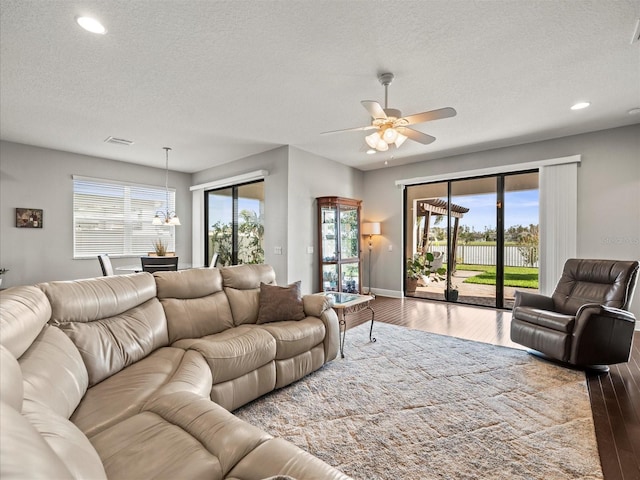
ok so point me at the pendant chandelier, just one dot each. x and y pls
(166, 217)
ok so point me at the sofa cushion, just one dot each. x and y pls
(147, 446)
(53, 371)
(11, 390)
(108, 345)
(551, 320)
(247, 277)
(66, 440)
(279, 457)
(239, 391)
(295, 337)
(113, 321)
(234, 352)
(97, 298)
(242, 286)
(24, 453)
(280, 303)
(179, 436)
(291, 369)
(194, 302)
(124, 395)
(23, 313)
(244, 305)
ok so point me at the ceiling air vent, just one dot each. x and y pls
(118, 141)
(636, 32)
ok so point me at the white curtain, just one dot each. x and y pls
(558, 221)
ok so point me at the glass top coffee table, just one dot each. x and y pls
(344, 303)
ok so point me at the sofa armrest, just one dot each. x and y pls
(535, 300)
(315, 305)
(321, 306)
(602, 336)
(332, 337)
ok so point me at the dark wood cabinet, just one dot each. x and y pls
(339, 244)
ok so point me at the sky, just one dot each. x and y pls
(521, 208)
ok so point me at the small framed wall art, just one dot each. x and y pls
(28, 218)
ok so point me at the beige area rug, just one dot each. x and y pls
(416, 405)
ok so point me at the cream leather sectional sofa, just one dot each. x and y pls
(134, 376)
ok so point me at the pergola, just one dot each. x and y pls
(435, 206)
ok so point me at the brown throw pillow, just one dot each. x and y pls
(280, 303)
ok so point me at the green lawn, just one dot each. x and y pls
(524, 277)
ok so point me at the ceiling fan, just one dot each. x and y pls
(391, 128)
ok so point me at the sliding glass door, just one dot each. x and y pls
(521, 235)
(477, 238)
(235, 225)
(473, 241)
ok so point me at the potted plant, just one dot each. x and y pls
(420, 265)
(451, 293)
(2, 272)
(160, 249)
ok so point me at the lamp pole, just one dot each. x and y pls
(370, 229)
(369, 273)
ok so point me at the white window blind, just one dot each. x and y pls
(115, 217)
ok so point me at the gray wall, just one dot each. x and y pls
(311, 176)
(608, 196)
(275, 198)
(608, 203)
(295, 179)
(33, 177)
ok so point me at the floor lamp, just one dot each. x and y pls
(370, 229)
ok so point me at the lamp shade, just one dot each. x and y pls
(372, 228)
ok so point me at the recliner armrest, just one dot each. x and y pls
(602, 335)
(618, 313)
(535, 300)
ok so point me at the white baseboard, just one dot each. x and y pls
(387, 293)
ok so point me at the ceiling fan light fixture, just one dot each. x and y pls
(382, 146)
(372, 140)
(371, 151)
(400, 139)
(390, 135)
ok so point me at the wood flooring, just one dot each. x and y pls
(615, 396)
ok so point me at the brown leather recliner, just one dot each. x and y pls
(586, 321)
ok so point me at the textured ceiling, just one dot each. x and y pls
(221, 80)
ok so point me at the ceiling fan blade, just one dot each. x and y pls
(431, 115)
(374, 109)
(357, 129)
(416, 135)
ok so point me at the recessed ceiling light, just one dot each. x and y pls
(634, 111)
(91, 25)
(580, 105)
(371, 151)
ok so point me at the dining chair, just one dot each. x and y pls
(159, 264)
(105, 265)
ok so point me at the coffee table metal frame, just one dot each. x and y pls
(345, 303)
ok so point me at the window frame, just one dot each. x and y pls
(133, 208)
(235, 220)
